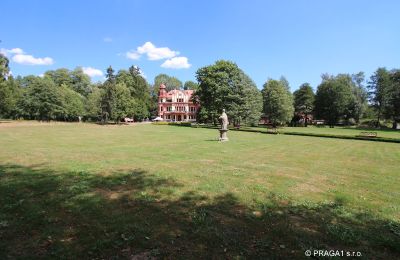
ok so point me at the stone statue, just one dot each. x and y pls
(224, 120)
(224, 126)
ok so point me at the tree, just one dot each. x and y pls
(332, 99)
(139, 91)
(225, 85)
(393, 105)
(6, 97)
(80, 82)
(190, 85)
(75, 80)
(378, 94)
(304, 101)
(72, 103)
(10, 93)
(278, 102)
(108, 95)
(285, 83)
(170, 82)
(93, 104)
(60, 76)
(358, 102)
(42, 100)
(122, 104)
(4, 69)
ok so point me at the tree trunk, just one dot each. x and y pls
(378, 124)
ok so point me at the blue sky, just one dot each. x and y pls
(298, 39)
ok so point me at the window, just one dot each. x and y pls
(179, 100)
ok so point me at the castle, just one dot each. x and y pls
(176, 105)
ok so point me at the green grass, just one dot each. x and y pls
(336, 131)
(90, 191)
(347, 131)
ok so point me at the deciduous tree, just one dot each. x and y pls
(331, 100)
(278, 102)
(378, 93)
(304, 100)
(225, 85)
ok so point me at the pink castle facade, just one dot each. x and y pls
(176, 105)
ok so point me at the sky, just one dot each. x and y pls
(267, 39)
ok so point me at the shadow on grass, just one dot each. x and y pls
(133, 214)
(372, 129)
(212, 140)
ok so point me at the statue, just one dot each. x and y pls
(224, 120)
(224, 126)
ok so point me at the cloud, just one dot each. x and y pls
(7, 52)
(152, 52)
(30, 60)
(92, 72)
(19, 56)
(107, 39)
(133, 55)
(176, 63)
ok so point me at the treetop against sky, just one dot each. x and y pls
(267, 39)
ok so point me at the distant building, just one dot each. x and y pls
(176, 105)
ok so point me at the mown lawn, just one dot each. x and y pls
(90, 191)
(341, 131)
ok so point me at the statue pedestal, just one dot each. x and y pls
(222, 135)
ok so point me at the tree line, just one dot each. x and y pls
(342, 98)
(67, 95)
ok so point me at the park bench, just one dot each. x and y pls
(368, 134)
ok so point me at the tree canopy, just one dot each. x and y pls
(190, 85)
(169, 81)
(64, 94)
(278, 102)
(225, 85)
(304, 100)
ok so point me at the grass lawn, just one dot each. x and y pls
(351, 131)
(90, 191)
(342, 131)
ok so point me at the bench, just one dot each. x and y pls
(368, 134)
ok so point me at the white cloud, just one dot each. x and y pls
(133, 55)
(176, 63)
(152, 52)
(30, 60)
(18, 56)
(7, 52)
(107, 39)
(16, 51)
(92, 72)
